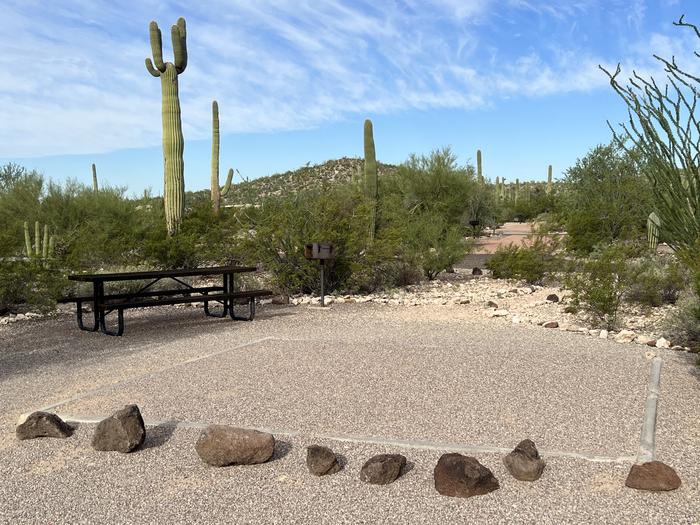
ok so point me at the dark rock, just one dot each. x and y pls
(321, 460)
(222, 445)
(651, 342)
(463, 476)
(43, 424)
(524, 463)
(553, 298)
(551, 324)
(123, 431)
(491, 304)
(654, 475)
(477, 271)
(382, 469)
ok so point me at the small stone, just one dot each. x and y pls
(524, 462)
(625, 336)
(654, 475)
(43, 424)
(321, 460)
(477, 271)
(651, 342)
(463, 476)
(382, 469)
(499, 313)
(603, 334)
(551, 324)
(553, 298)
(515, 319)
(642, 339)
(123, 431)
(662, 342)
(649, 355)
(491, 304)
(223, 445)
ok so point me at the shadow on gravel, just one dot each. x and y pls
(159, 435)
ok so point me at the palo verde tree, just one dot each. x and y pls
(173, 141)
(664, 128)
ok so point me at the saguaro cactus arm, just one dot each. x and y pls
(156, 48)
(179, 35)
(229, 180)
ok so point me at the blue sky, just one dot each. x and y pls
(295, 79)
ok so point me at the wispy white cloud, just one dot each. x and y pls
(72, 78)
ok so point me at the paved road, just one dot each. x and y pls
(363, 379)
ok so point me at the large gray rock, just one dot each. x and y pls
(382, 469)
(321, 460)
(524, 462)
(123, 431)
(222, 445)
(654, 475)
(463, 476)
(43, 424)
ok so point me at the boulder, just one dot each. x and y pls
(551, 324)
(662, 342)
(524, 462)
(222, 445)
(553, 298)
(382, 469)
(625, 336)
(463, 476)
(654, 475)
(43, 424)
(321, 460)
(123, 431)
(477, 271)
(603, 334)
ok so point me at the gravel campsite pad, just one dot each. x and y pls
(361, 379)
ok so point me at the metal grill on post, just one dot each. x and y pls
(321, 252)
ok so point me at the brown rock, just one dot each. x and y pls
(382, 469)
(321, 460)
(43, 424)
(491, 304)
(654, 475)
(551, 324)
(222, 445)
(477, 271)
(553, 298)
(463, 476)
(524, 462)
(123, 431)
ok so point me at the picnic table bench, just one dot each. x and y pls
(105, 303)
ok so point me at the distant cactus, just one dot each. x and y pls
(479, 173)
(548, 188)
(173, 141)
(94, 179)
(371, 178)
(653, 230)
(216, 191)
(40, 250)
(517, 190)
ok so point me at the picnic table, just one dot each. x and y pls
(104, 303)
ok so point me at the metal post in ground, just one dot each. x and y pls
(323, 290)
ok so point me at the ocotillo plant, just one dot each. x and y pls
(548, 189)
(216, 191)
(653, 230)
(94, 178)
(479, 174)
(173, 141)
(41, 249)
(371, 177)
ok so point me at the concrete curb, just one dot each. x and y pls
(647, 440)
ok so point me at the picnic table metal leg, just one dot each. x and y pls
(225, 302)
(79, 315)
(120, 323)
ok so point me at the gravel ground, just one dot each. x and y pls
(429, 374)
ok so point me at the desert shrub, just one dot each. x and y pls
(656, 281)
(599, 282)
(433, 245)
(607, 198)
(29, 284)
(531, 263)
(684, 322)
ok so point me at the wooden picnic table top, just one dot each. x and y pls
(154, 274)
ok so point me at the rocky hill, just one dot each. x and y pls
(305, 178)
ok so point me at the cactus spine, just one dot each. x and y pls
(216, 191)
(653, 230)
(371, 178)
(479, 173)
(94, 178)
(173, 141)
(548, 189)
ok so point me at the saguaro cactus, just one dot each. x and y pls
(216, 191)
(548, 188)
(94, 178)
(40, 249)
(371, 178)
(653, 230)
(173, 141)
(479, 174)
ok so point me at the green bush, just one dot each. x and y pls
(599, 282)
(684, 323)
(656, 281)
(531, 263)
(29, 285)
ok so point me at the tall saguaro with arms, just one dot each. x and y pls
(173, 141)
